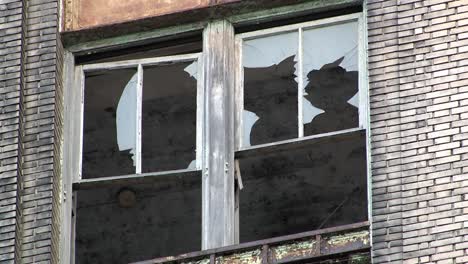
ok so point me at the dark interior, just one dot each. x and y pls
(169, 114)
(298, 190)
(169, 118)
(101, 154)
(164, 219)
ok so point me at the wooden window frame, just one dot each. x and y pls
(300, 27)
(139, 64)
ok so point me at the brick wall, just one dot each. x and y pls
(30, 131)
(418, 57)
(418, 50)
(42, 102)
(11, 69)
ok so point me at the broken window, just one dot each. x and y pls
(331, 78)
(109, 139)
(302, 143)
(270, 89)
(292, 189)
(299, 82)
(139, 194)
(140, 119)
(169, 117)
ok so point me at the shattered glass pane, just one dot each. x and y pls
(169, 117)
(331, 84)
(109, 123)
(270, 89)
(316, 186)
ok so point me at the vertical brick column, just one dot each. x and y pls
(42, 133)
(386, 128)
(11, 69)
(418, 52)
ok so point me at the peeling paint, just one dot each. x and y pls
(250, 257)
(350, 237)
(346, 241)
(202, 261)
(360, 259)
(298, 249)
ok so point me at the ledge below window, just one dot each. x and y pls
(342, 244)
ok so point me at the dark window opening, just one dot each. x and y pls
(128, 223)
(169, 117)
(312, 187)
(102, 155)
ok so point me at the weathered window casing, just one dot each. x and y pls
(220, 97)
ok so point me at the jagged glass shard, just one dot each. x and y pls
(127, 118)
(108, 135)
(330, 71)
(270, 89)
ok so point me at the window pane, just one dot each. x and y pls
(109, 135)
(270, 89)
(320, 185)
(330, 78)
(128, 223)
(169, 117)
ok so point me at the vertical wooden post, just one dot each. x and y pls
(71, 155)
(218, 223)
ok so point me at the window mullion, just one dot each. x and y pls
(218, 223)
(199, 148)
(363, 104)
(139, 119)
(300, 85)
(81, 82)
(239, 94)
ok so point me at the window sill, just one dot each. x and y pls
(136, 178)
(297, 143)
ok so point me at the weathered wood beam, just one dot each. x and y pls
(71, 153)
(218, 224)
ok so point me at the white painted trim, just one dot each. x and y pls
(365, 56)
(81, 83)
(130, 177)
(144, 62)
(138, 126)
(200, 113)
(298, 140)
(362, 76)
(239, 94)
(300, 86)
